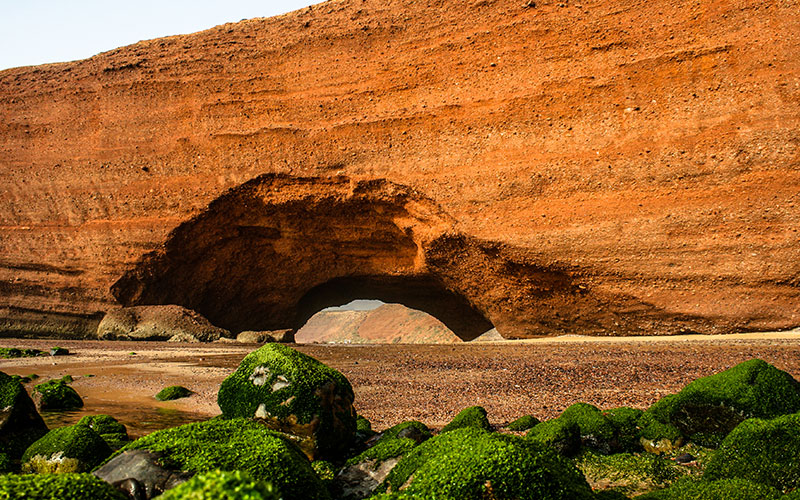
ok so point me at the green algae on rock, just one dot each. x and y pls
(56, 395)
(394, 442)
(706, 410)
(109, 428)
(293, 393)
(523, 423)
(561, 435)
(763, 451)
(20, 423)
(236, 444)
(57, 486)
(473, 416)
(222, 485)
(725, 489)
(628, 473)
(471, 463)
(76, 448)
(173, 392)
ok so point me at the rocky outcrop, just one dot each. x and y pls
(169, 322)
(387, 324)
(606, 167)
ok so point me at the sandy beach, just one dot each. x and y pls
(392, 383)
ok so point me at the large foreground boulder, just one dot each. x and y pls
(157, 323)
(20, 423)
(706, 410)
(76, 448)
(472, 464)
(296, 394)
(230, 445)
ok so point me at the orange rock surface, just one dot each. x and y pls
(611, 167)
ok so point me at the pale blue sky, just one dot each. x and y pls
(45, 31)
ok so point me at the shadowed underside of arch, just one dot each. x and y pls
(277, 249)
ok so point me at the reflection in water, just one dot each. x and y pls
(139, 421)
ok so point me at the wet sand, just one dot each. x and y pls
(430, 383)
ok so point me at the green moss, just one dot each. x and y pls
(57, 486)
(13, 352)
(561, 435)
(763, 451)
(726, 489)
(237, 444)
(22, 425)
(222, 485)
(653, 429)
(471, 463)
(626, 427)
(474, 417)
(364, 426)
(629, 473)
(391, 443)
(710, 407)
(6, 464)
(103, 424)
(280, 383)
(77, 442)
(110, 429)
(523, 423)
(57, 395)
(324, 469)
(173, 392)
(596, 430)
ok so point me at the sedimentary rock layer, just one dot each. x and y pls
(641, 158)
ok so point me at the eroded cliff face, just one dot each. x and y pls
(601, 167)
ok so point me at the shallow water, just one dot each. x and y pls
(139, 421)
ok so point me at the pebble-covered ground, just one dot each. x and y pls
(430, 383)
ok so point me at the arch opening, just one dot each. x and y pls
(421, 293)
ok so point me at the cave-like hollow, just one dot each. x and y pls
(271, 253)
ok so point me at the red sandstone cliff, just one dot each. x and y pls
(605, 166)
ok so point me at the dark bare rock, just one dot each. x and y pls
(139, 471)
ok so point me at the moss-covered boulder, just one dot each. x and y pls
(296, 394)
(173, 392)
(594, 430)
(473, 416)
(725, 489)
(560, 435)
(523, 423)
(76, 448)
(57, 486)
(628, 473)
(470, 463)
(394, 442)
(56, 395)
(236, 444)
(114, 433)
(20, 423)
(625, 421)
(763, 451)
(706, 410)
(222, 485)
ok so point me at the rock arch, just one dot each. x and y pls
(270, 253)
(274, 251)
